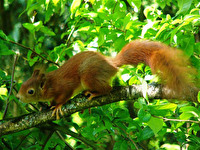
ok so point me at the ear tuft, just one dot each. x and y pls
(36, 73)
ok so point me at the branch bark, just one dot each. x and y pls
(77, 104)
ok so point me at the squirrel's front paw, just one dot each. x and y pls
(57, 110)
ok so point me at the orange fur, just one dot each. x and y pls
(170, 64)
(92, 72)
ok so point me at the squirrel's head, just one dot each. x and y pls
(32, 89)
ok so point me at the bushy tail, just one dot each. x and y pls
(170, 64)
(175, 72)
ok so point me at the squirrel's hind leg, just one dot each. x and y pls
(90, 95)
(96, 88)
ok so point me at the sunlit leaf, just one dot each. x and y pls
(75, 4)
(3, 91)
(135, 4)
(155, 124)
(184, 6)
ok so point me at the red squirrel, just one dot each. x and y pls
(92, 72)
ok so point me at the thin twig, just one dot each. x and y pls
(68, 38)
(62, 138)
(11, 85)
(32, 50)
(177, 120)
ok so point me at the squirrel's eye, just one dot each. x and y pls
(31, 91)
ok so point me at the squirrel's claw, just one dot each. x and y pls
(57, 110)
(89, 95)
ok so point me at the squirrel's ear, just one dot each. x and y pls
(36, 73)
(42, 78)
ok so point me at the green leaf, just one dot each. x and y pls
(2, 34)
(120, 145)
(31, 61)
(33, 27)
(119, 43)
(162, 110)
(161, 3)
(133, 80)
(184, 6)
(137, 105)
(146, 133)
(88, 132)
(91, 15)
(187, 43)
(29, 26)
(190, 110)
(133, 126)
(79, 45)
(142, 101)
(4, 49)
(49, 13)
(101, 39)
(6, 52)
(120, 12)
(124, 145)
(198, 97)
(2, 75)
(164, 26)
(135, 4)
(75, 4)
(126, 21)
(185, 116)
(3, 91)
(100, 128)
(108, 123)
(110, 4)
(155, 124)
(120, 113)
(129, 34)
(85, 28)
(47, 31)
(187, 113)
(143, 115)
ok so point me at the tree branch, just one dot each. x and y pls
(78, 103)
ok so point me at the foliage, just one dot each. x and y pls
(54, 30)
